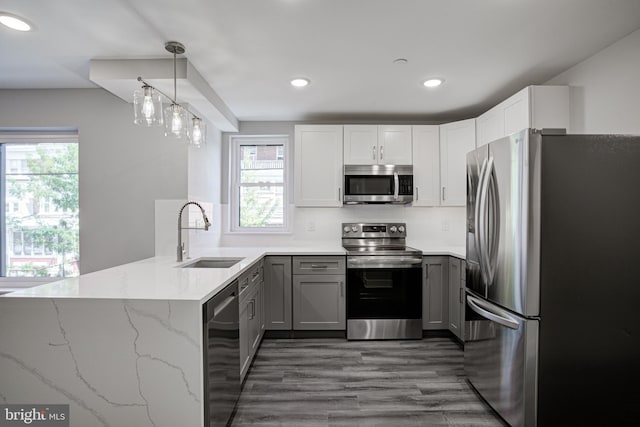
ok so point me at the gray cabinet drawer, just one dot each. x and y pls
(318, 265)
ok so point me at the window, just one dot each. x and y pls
(259, 188)
(39, 185)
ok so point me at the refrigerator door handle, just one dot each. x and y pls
(481, 203)
(494, 205)
(503, 320)
(477, 224)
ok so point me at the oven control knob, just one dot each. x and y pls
(401, 229)
(354, 228)
(346, 229)
(393, 229)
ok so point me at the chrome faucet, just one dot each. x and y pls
(207, 224)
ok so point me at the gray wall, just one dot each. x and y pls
(605, 89)
(123, 168)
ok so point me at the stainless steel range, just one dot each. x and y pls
(384, 282)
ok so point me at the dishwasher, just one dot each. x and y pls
(221, 332)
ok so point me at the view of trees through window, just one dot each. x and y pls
(41, 210)
(261, 192)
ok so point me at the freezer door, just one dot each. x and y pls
(476, 160)
(509, 206)
(500, 360)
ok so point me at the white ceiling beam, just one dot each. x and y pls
(119, 76)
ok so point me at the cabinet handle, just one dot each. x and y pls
(443, 194)
(417, 193)
(381, 152)
(374, 152)
(339, 195)
(253, 309)
(341, 289)
(461, 295)
(319, 266)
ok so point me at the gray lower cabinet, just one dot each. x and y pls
(277, 292)
(250, 308)
(435, 293)
(319, 302)
(456, 296)
(319, 292)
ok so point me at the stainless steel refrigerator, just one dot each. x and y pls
(552, 330)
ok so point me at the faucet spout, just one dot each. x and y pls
(181, 251)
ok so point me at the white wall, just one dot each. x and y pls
(605, 89)
(123, 168)
(427, 228)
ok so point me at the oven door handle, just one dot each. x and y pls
(380, 261)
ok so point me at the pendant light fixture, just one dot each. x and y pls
(178, 121)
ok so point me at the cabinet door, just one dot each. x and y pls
(318, 165)
(254, 322)
(516, 112)
(490, 126)
(394, 145)
(319, 302)
(263, 317)
(277, 283)
(426, 165)
(435, 293)
(454, 297)
(245, 357)
(360, 144)
(456, 140)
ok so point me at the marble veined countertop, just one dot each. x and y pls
(161, 278)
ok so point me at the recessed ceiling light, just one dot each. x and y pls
(433, 82)
(299, 82)
(14, 22)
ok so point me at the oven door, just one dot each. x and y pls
(383, 291)
(384, 302)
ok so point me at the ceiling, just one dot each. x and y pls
(248, 50)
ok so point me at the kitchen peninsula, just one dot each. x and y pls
(122, 346)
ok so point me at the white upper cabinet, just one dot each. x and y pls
(456, 140)
(394, 145)
(426, 165)
(318, 165)
(533, 107)
(360, 144)
(377, 145)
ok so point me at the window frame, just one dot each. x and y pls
(235, 142)
(10, 283)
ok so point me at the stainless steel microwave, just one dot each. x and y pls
(368, 184)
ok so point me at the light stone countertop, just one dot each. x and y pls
(161, 278)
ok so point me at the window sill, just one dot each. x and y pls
(256, 233)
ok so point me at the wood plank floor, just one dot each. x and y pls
(333, 382)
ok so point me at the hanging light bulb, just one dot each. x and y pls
(197, 132)
(147, 107)
(176, 119)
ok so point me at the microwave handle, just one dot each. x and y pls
(396, 184)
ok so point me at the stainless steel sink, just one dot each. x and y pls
(223, 262)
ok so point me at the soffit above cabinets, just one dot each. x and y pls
(119, 76)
